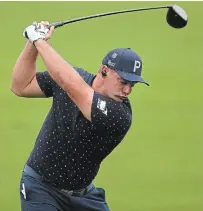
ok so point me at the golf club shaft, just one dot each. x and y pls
(59, 24)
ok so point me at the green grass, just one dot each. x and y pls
(158, 167)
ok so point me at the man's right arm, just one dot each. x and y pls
(24, 82)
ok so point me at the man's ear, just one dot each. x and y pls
(103, 70)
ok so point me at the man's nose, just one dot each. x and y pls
(127, 89)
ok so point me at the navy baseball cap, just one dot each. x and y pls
(126, 63)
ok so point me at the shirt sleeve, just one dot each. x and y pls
(108, 115)
(45, 83)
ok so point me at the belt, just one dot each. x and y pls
(28, 170)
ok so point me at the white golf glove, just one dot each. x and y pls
(35, 32)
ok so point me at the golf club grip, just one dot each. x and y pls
(59, 24)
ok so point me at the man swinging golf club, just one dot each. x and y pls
(89, 117)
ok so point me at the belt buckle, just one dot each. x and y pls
(69, 192)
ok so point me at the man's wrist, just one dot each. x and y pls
(38, 42)
(30, 47)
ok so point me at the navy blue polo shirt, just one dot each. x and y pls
(69, 148)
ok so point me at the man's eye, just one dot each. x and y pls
(124, 82)
(133, 84)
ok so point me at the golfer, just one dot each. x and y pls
(90, 115)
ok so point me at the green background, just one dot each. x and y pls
(158, 167)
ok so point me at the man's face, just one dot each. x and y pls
(115, 87)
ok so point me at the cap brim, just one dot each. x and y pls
(131, 77)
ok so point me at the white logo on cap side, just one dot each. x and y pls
(136, 65)
(110, 63)
(114, 55)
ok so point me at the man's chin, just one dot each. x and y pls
(118, 99)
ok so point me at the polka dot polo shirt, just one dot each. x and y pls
(69, 148)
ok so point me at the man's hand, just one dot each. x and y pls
(38, 31)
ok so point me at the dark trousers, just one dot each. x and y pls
(37, 195)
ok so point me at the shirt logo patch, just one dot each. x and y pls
(101, 104)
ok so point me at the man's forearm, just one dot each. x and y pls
(62, 72)
(66, 77)
(24, 69)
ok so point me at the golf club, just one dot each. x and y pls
(176, 17)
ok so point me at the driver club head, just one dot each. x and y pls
(176, 17)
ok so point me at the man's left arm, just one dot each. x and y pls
(110, 116)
